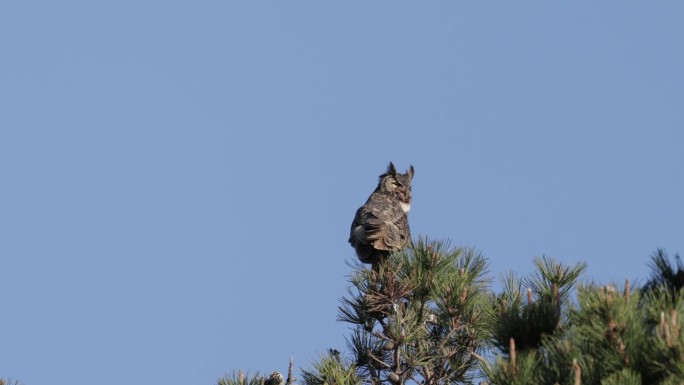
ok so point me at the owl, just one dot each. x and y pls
(381, 225)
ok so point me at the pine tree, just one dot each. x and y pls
(526, 320)
(610, 336)
(421, 317)
(426, 316)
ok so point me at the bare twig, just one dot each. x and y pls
(381, 336)
(397, 365)
(379, 361)
(290, 375)
(482, 360)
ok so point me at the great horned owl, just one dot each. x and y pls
(381, 225)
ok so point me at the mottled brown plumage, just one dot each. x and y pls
(381, 225)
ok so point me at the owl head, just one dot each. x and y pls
(397, 185)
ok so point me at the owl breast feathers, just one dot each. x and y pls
(381, 225)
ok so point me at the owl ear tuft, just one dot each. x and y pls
(410, 172)
(391, 169)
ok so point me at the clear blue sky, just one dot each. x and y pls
(178, 178)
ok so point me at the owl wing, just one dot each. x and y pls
(381, 223)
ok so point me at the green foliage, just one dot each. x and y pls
(520, 371)
(608, 328)
(528, 317)
(425, 316)
(554, 280)
(666, 342)
(524, 320)
(665, 279)
(623, 377)
(331, 369)
(529, 325)
(240, 378)
(420, 316)
(609, 336)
